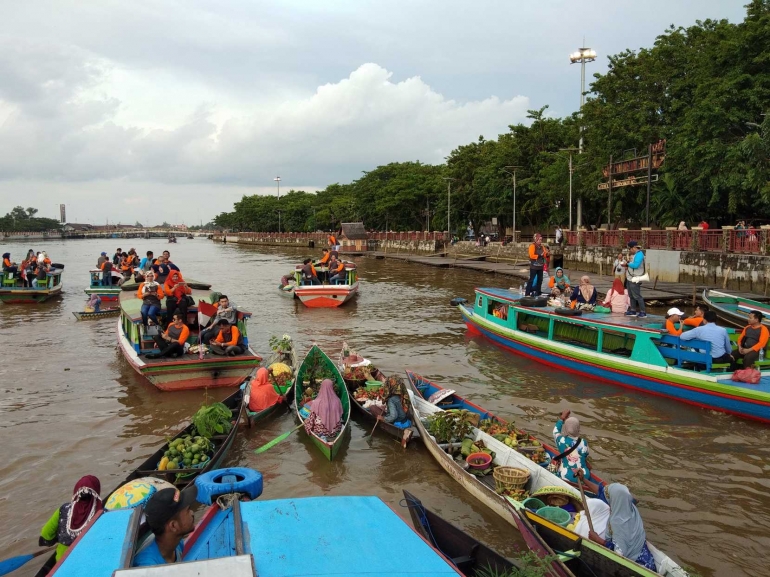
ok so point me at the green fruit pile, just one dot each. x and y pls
(188, 452)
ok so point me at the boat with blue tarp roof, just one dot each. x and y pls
(622, 350)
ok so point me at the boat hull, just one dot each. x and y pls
(28, 295)
(84, 316)
(735, 309)
(105, 293)
(325, 296)
(678, 385)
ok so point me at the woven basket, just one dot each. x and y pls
(510, 478)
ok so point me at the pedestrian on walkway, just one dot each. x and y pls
(538, 254)
(636, 270)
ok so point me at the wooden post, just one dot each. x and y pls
(695, 292)
(655, 284)
(727, 274)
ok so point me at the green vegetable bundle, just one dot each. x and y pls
(213, 420)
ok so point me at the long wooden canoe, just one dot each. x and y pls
(483, 488)
(465, 552)
(86, 316)
(735, 309)
(289, 358)
(316, 367)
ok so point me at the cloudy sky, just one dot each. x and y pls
(157, 110)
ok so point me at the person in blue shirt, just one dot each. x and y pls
(721, 347)
(635, 268)
(171, 520)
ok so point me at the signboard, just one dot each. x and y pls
(630, 181)
(639, 163)
(62, 214)
(494, 221)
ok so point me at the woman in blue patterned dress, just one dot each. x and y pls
(566, 434)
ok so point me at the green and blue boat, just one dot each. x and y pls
(734, 308)
(626, 351)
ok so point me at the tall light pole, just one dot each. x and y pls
(513, 176)
(277, 180)
(448, 199)
(571, 170)
(582, 55)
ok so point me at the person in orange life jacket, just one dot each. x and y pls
(332, 240)
(324, 275)
(151, 294)
(226, 310)
(171, 343)
(752, 340)
(697, 319)
(308, 274)
(106, 272)
(229, 341)
(674, 316)
(8, 265)
(336, 270)
(175, 294)
(537, 256)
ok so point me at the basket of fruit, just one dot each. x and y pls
(510, 478)
(187, 453)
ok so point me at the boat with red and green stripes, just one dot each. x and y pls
(622, 350)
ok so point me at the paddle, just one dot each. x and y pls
(373, 428)
(585, 505)
(277, 440)
(14, 563)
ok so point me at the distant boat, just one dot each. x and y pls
(12, 290)
(734, 308)
(108, 293)
(328, 295)
(91, 315)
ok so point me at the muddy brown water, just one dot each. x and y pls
(71, 406)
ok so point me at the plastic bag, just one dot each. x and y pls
(750, 376)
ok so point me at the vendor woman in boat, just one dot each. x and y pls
(625, 529)
(262, 394)
(394, 395)
(325, 418)
(566, 434)
(69, 520)
(559, 283)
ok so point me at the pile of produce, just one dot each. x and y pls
(358, 373)
(279, 368)
(515, 438)
(516, 494)
(214, 419)
(314, 376)
(186, 453)
(362, 395)
(451, 426)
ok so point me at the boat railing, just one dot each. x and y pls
(695, 351)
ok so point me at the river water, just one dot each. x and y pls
(72, 406)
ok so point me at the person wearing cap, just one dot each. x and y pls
(101, 260)
(721, 347)
(538, 254)
(635, 268)
(674, 316)
(170, 518)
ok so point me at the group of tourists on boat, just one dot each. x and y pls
(31, 272)
(125, 265)
(333, 269)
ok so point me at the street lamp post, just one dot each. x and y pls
(448, 199)
(571, 170)
(582, 55)
(513, 176)
(277, 180)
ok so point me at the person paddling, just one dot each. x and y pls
(69, 520)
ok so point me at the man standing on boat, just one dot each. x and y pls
(636, 269)
(537, 257)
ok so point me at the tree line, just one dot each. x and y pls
(22, 219)
(705, 89)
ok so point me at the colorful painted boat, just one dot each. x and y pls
(189, 371)
(289, 358)
(328, 295)
(735, 309)
(451, 400)
(276, 538)
(625, 351)
(316, 367)
(103, 313)
(483, 488)
(470, 556)
(12, 291)
(106, 293)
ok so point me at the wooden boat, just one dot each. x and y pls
(266, 538)
(403, 434)
(289, 358)
(426, 389)
(189, 371)
(327, 295)
(314, 368)
(625, 351)
(108, 294)
(483, 488)
(735, 309)
(103, 313)
(12, 290)
(465, 552)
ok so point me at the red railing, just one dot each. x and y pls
(682, 240)
(591, 238)
(710, 240)
(657, 239)
(744, 241)
(611, 238)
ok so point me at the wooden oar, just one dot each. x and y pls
(585, 504)
(373, 428)
(8, 565)
(277, 440)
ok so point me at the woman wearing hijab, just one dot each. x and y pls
(585, 294)
(617, 297)
(325, 419)
(94, 303)
(262, 394)
(625, 530)
(559, 283)
(8, 265)
(393, 393)
(69, 520)
(566, 434)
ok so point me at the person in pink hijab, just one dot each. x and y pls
(325, 419)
